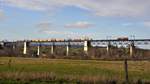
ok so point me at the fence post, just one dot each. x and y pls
(126, 71)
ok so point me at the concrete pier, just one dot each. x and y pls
(131, 49)
(67, 49)
(52, 49)
(86, 47)
(25, 48)
(14, 47)
(38, 50)
(108, 48)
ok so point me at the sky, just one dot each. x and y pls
(97, 19)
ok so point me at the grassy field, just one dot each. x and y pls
(37, 70)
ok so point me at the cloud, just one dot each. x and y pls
(146, 23)
(2, 15)
(127, 24)
(60, 32)
(70, 34)
(44, 26)
(26, 4)
(35, 5)
(50, 28)
(128, 8)
(81, 24)
(47, 27)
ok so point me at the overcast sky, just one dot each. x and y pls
(97, 19)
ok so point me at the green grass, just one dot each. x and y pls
(70, 70)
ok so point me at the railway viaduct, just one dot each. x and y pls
(85, 44)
